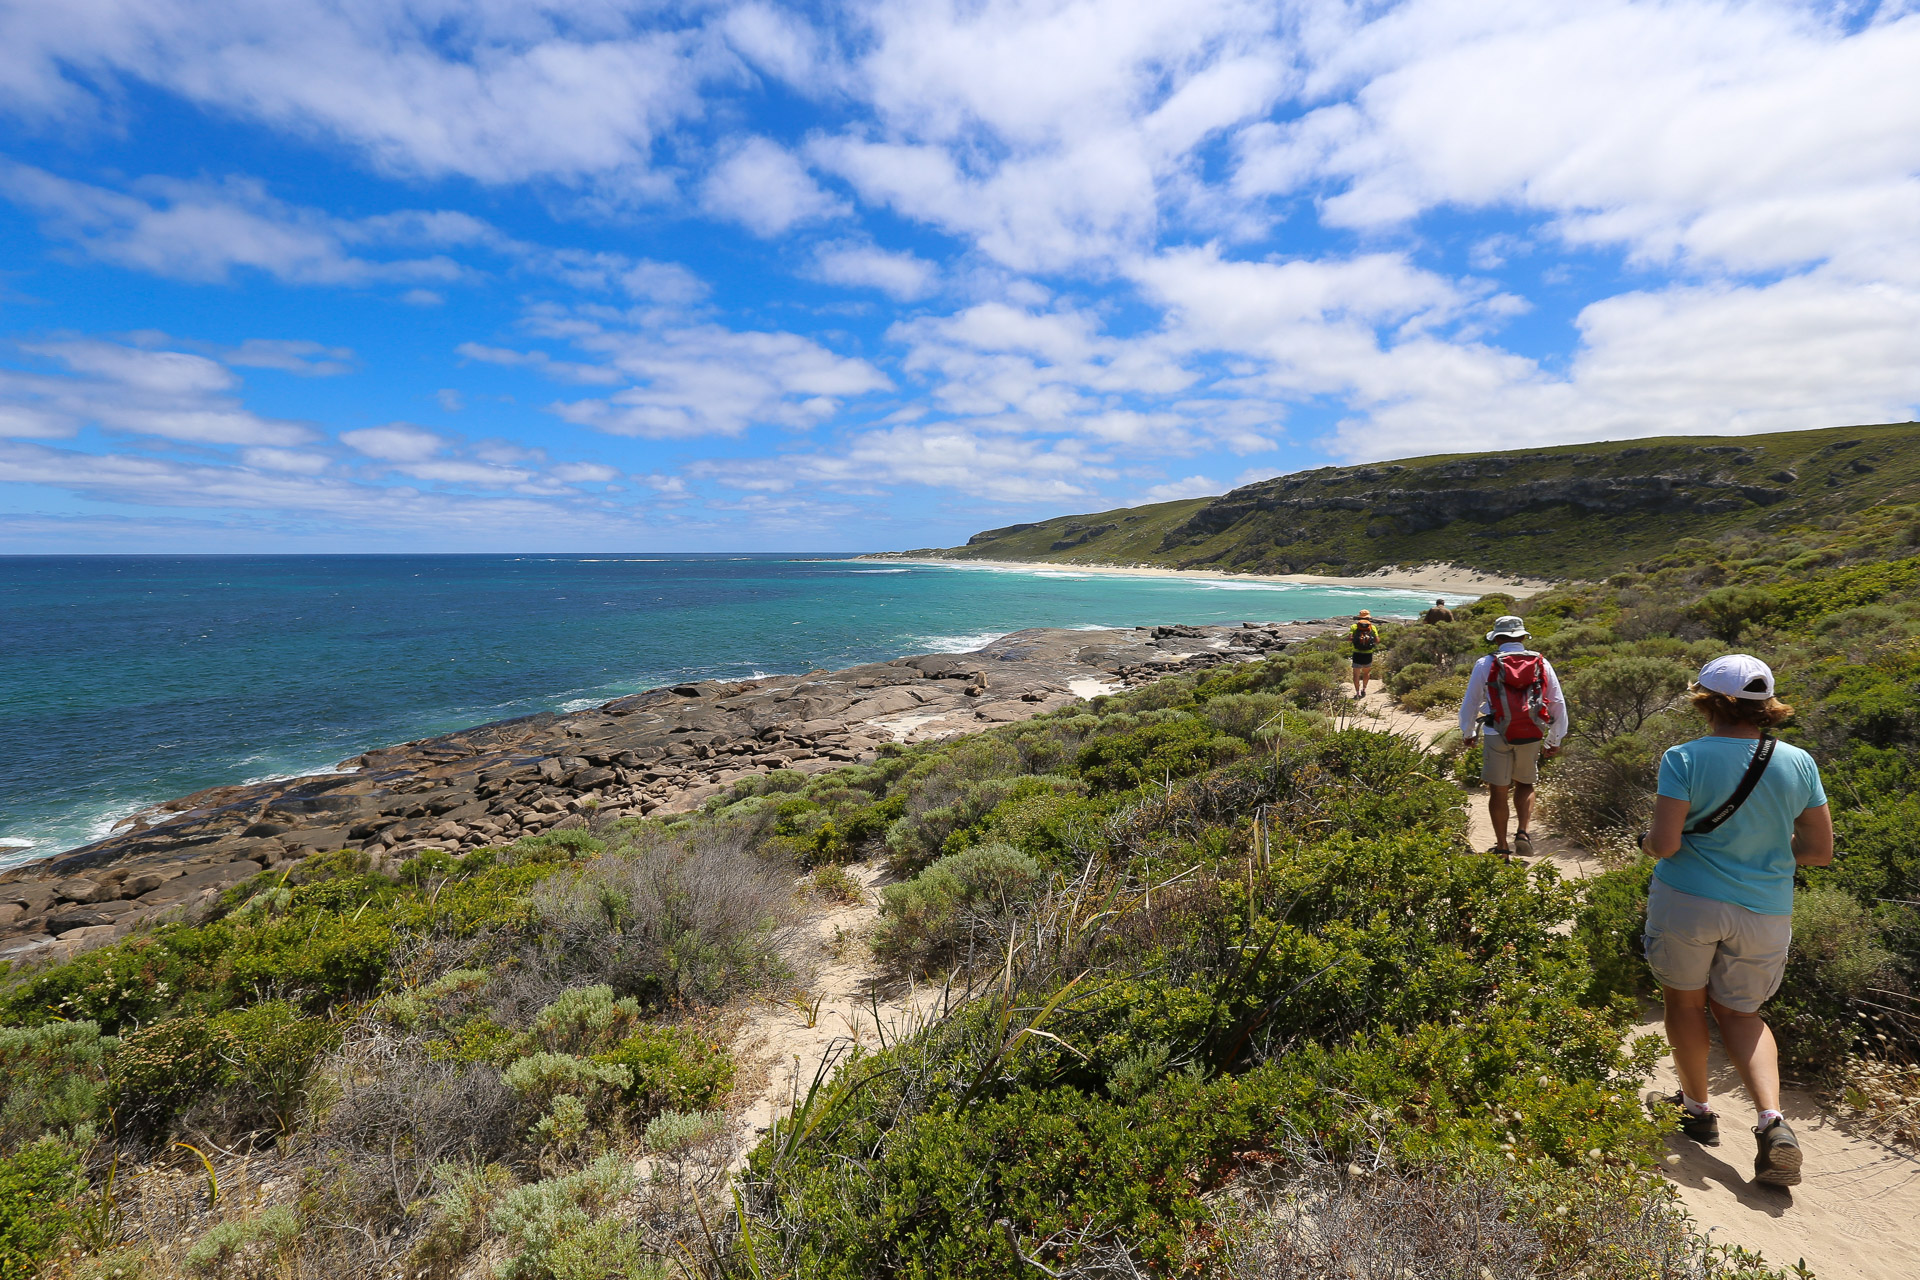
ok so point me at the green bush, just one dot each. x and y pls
(38, 1184)
(266, 1235)
(1151, 755)
(585, 1019)
(541, 1077)
(1445, 693)
(1619, 694)
(1609, 927)
(1839, 957)
(158, 1070)
(51, 1079)
(554, 1223)
(270, 1052)
(1414, 675)
(948, 910)
(673, 1068)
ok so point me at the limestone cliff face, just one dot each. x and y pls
(1374, 493)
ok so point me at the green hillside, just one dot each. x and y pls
(1572, 511)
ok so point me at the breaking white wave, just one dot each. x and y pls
(959, 644)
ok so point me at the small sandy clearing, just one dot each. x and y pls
(778, 1052)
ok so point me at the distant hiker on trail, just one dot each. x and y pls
(1515, 707)
(1365, 638)
(1439, 613)
(1737, 811)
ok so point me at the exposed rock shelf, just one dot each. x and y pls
(663, 751)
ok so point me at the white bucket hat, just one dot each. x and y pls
(1509, 626)
(1738, 675)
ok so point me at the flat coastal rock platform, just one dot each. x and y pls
(660, 752)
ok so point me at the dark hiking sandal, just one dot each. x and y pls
(1703, 1129)
(1779, 1158)
(1523, 844)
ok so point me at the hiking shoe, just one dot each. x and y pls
(1703, 1129)
(1778, 1161)
(1523, 844)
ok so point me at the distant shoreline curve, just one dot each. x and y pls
(1438, 577)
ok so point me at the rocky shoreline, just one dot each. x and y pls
(660, 752)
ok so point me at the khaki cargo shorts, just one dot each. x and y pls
(1504, 763)
(1736, 954)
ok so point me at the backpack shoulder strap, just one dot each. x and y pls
(1762, 754)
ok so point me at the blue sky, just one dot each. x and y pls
(438, 276)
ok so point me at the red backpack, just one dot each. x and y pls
(1516, 690)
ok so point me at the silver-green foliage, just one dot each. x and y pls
(559, 1229)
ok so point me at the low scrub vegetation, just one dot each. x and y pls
(1220, 990)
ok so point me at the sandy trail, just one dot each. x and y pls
(836, 992)
(1857, 1215)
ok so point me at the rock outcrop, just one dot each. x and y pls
(663, 751)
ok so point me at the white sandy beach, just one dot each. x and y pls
(1441, 579)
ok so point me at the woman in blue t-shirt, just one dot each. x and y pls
(1720, 909)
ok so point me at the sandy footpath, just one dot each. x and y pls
(1442, 579)
(1857, 1214)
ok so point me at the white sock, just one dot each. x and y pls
(1767, 1117)
(1697, 1108)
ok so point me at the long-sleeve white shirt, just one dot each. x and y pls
(1475, 703)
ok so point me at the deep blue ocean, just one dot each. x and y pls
(126, 680)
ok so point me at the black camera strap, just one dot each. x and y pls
(1748, 781)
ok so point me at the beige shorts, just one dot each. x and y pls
(1504, 763)
(1736, 954)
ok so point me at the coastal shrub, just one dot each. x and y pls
(1604, 788)
(674, 1132)
(270, 1052)
(584, 1019)
(693, 916)
(1728, 612)
(1882, 857)
(552, 1223)
(389, 1115)
(158, 1070)
(1413, 676)
(1827, 1000)
(51, 1080)
(250, 1068)
(1611, 920)
(1442, 695)
(1152, 754)
(250, 1244)
(1250, 717)
(39, 1184)
(1055, 825)
(1619, 694)
(671, 1068)
(833, 883)
(541, 1077)
(1473, 1217)
(951, 909)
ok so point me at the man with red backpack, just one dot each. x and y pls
(1515, 708)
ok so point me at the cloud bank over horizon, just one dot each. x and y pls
(479, 276)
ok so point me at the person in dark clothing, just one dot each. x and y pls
(1365, 638)
(1439, 613)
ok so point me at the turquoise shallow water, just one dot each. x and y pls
(129, 680)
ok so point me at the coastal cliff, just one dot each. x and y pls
(1573, 511)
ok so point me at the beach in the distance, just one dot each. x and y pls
(1442, 579)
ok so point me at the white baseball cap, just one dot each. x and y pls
(1507, 626)
(1738, 675)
